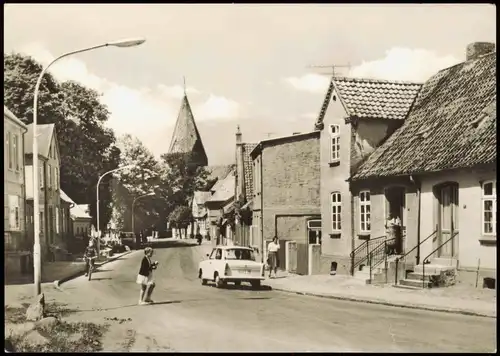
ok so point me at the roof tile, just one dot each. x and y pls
(452, 124)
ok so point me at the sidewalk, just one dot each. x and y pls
(52, 272)
(456, 299)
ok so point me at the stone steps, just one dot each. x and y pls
(432, 269)
(415, 283)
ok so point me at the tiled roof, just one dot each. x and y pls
(319, 122)
(80, 211)
(370, 98)
(45, 133)
(186, 138)
(201, 197)
(248, 169)
(224, 189)
(219, 172)
(452, 124)
(11, 116)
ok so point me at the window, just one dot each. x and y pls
(336, 201)
(41, 178)
(14, 217)
(9, 149)
(49, 176)
(364, 211)
(489, 207)
(15, 148)
(57, 220)
(42, 223)
(335, 142)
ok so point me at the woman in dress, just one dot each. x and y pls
(145, 277)
(272, 253)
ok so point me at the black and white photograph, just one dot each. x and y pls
(250, 177)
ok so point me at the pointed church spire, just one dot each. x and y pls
(186, 138)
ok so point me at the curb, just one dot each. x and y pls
(58, 283)
(390, 304)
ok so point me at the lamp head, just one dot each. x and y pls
(130, 42)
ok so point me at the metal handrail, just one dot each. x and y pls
(407, 253)
(365, 246)
(380, 247)
(453, 235)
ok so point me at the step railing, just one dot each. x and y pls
(361, 253)
(426, 259)
(403, 257)
(379, 254)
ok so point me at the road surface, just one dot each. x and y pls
(190, 317)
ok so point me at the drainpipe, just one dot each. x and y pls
(262, 203)
(353, 230)
(25, 201)
(419, 187)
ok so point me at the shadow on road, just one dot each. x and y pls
(245, 287)
(101, 279)
(171, 244)
(135, 305)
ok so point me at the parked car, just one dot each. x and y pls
(127, 239)
(233, 264)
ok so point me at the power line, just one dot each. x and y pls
(333, 67)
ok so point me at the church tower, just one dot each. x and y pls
(186, 139)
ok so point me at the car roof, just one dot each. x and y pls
(225, 247)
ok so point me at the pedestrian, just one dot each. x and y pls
(145, 277)
(137, 241)
(272, 253)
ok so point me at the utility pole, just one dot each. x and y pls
(332, 67)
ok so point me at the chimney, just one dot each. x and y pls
(477, 49)
(238, 135)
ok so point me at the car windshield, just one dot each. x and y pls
(240, 254)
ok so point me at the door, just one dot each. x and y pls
(208, 270)
(447, 220)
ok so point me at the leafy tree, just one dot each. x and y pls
(86, 146)
(143, 178)
(181, 217)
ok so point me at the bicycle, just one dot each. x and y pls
(91, 266)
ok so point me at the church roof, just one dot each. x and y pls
(186, 139)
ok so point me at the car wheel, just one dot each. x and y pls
(203, 281)
(255, 284)
(218, 282)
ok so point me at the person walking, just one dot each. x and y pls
(272, 256)
(145, 277)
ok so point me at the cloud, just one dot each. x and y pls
(312, 83)
(148, 113)
(403, 64)
(218, 107)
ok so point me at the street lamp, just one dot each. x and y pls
(133, 207)
(36, 209)
(97, 199)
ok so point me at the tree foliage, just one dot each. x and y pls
(181, 216)
(86, 146)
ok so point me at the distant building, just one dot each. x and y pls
(200, 213)
(17, 246)
(286, 193)
(49, 181)
(218, 205)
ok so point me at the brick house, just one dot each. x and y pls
(286, 192)
(17, 246)
(357, 115)
(244, 230)
(444, 158)
(49, 180)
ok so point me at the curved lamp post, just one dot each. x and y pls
(36, 209)
(133, 208)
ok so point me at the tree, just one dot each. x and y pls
(181, 217)
(143, 178)
(86, 146)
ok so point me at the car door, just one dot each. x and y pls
(208, 268)
(217, 262)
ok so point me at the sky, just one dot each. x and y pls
(247, 65)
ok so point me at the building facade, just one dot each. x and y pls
(287, 192)
(49, 184)
(446, 152)
(17, 246)
(357, 115)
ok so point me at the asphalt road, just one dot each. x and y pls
(190, 317)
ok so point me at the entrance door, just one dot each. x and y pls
(447, 219)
